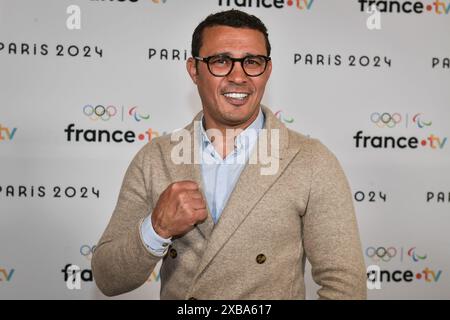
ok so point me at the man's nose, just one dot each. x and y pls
(237, 74)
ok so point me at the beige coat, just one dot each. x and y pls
(257, 250)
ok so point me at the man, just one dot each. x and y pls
(225, 228)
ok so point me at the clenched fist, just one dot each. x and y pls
(179, 208)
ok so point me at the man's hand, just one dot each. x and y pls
(179, 208)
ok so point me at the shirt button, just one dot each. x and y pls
(260, 258)
(173, 253)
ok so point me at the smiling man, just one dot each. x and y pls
(223, 228)
(239, 67)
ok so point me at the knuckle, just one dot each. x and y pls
(182, 196)
(189, 219)
(171, 189)
(190, 184)
(184, 206)
(200, 214)
(173, 186)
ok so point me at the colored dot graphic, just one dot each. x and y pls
(290, 3)
(429, 7)
(141, 136)
(418, 276)
(423, 143)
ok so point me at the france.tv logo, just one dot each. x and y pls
(277, 4)
(409, 7)
(7, 134)
(6, 275)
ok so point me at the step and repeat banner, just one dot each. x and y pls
(84, 84)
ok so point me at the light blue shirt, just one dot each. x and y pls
(219, 178)
(220, 175)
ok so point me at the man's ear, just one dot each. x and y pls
(191, 67)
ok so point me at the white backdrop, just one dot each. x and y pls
(128, 62)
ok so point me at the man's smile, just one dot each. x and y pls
(236, 98)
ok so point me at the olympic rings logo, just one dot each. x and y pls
(388, 120)
(381, 253)
(99, 112)
(385, 119)
(386, 254)
(87, 251)
(106, 113)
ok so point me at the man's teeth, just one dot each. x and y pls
(236, 95)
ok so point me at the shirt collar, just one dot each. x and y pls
(248, 133)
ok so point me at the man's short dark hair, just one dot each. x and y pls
(231, 18)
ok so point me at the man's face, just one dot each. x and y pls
(220, 109)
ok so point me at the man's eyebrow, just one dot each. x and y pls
(230, 54)
(221, 54)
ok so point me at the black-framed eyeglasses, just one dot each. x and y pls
(222, 65)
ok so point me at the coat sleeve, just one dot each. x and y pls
(121, 262)
(330, 230)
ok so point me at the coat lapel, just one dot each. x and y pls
(189, 171)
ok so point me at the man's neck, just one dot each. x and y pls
(226, 144)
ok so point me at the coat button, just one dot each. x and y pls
(261, 258)
(173, 253)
